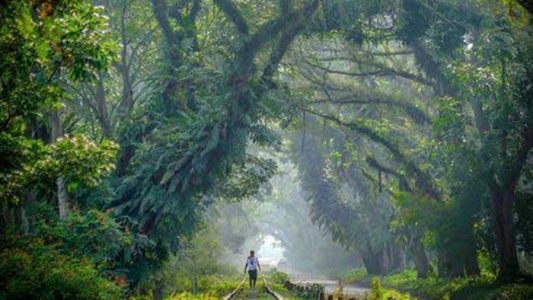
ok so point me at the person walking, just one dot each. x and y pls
(252, 264)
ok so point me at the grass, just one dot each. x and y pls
(285, 293)
(276, 281)
(484, 287)
(210, 288)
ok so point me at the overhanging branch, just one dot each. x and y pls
(423, 181)
(232, 13)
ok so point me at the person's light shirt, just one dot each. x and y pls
(252, 263)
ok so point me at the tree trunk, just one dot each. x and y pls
(157, 290)
(469, 254)
(4, 221)
(371, 261)
(527, 4)
(62, 196)
(449, 265)
(24, 224)
(502, 202)
(101, 107)
(126, 154)
(381, 261)
(395, 257)
(419, 257)
(457, 257)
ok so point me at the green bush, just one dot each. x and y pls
(379, 292)
(37, 271)
(401, 278)
(354, 275)
(278, 277)
(93, 233)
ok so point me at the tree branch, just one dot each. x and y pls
(271, 29)
(232, 13)
(423, 181)
(160, 8)
(381, 71)
(414, 112)
(527, 4)
(277, 54)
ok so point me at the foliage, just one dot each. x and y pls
(459, 288)
(379, 292)
(39, 42)
(210, 287)
(278, 277)
(354, 275)
(92, 234)
(31, 269)
(307, 291)
(78, 160)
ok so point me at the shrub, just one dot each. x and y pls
(379, 292)
(278, 277)
(354, 275)
(38, 271)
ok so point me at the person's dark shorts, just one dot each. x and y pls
(252, 274)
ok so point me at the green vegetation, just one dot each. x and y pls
(147, 145)
(378, 292)
(409, 283)
(277, 280)
(458, 288)
(355, 275)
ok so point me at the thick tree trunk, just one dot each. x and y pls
(395, 259)
(126, 154)
(383, 260)
(449, 266)
(458, 257)
(419, 257)
(469, 255)
(371, 263)
(502, 202)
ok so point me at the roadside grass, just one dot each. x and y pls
(284, 292)
(484, 287)
(276, 281)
